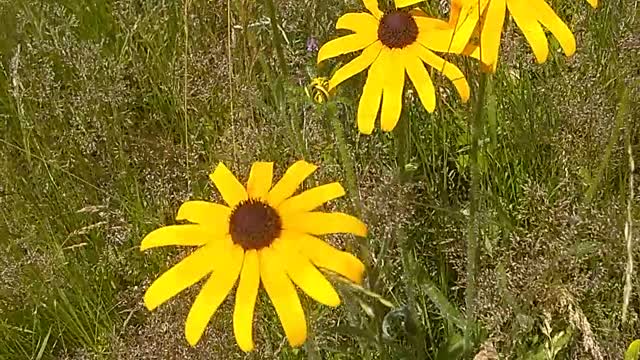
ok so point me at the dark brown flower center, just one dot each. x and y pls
(254, 224)
(397, 29)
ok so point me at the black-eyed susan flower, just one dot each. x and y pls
(318, 90)
(392, 43)
(263, 235)
(486, 18)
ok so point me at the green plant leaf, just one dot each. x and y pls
(633, 352)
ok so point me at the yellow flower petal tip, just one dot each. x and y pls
(149, 303)
(192, 338)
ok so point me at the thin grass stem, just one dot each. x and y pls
(473, 248)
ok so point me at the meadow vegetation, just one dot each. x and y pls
(113, 113)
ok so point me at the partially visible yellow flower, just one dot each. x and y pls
(318, 90)
(265, 234)
(392, 42)
(486, 18)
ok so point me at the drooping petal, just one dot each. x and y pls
(372, 94)
(304, 274)
(524, 18)
(448, 69)
(260, 179)
(326, 256)
(360, 23)
(291, 180)
(361, 62)
(311, 199)
(230, 188)
(246, 300)
(283, 295)
(344, 45)
(214, 216)
(549, 19)
(466, 15)
(214, 291)
(319, 223)
(492, 31)
(184, 274)
(421, 81)
(405, 3)
(372, 6)
(179, 235)
(392, 91)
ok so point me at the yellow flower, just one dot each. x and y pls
(265, 234)
(486, 17)
(392, 43)
(318, 90)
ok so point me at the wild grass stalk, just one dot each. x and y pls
(628, 226)
(473, 232)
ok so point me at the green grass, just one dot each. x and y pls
(98, 147)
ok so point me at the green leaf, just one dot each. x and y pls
(633, 352)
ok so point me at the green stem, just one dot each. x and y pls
(402, 135)
(277, 39)
(473, 249)
(347, 162)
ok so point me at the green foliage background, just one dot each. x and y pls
(111, 115)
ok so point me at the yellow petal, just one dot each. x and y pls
(492, 31)
(404, 3)
(214, 216)
(283, 296)
(214, 291)
(326, 256)
(180, 235)
(344, 45)
(311, 198)
(549, 19)
(372, 93)
(246, 301)
(356, 65)
(319, 223)
(184, 274)
(448, 69)
(230, 188)
(392, 91)
(525, 19)
(435, 34)
(593, 3)
(304, 274)
(465, 20)
(361, 23)
(372, 6)
(421, 81)
(291, 180)
(260, 179)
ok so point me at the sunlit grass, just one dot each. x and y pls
(94, 154)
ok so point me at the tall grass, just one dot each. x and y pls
(113, 112)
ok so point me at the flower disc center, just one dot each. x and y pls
(397, 29)
(254, 224)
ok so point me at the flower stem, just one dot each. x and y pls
(277, 39)
(473, 249)
(350, 172)
(402, 135)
